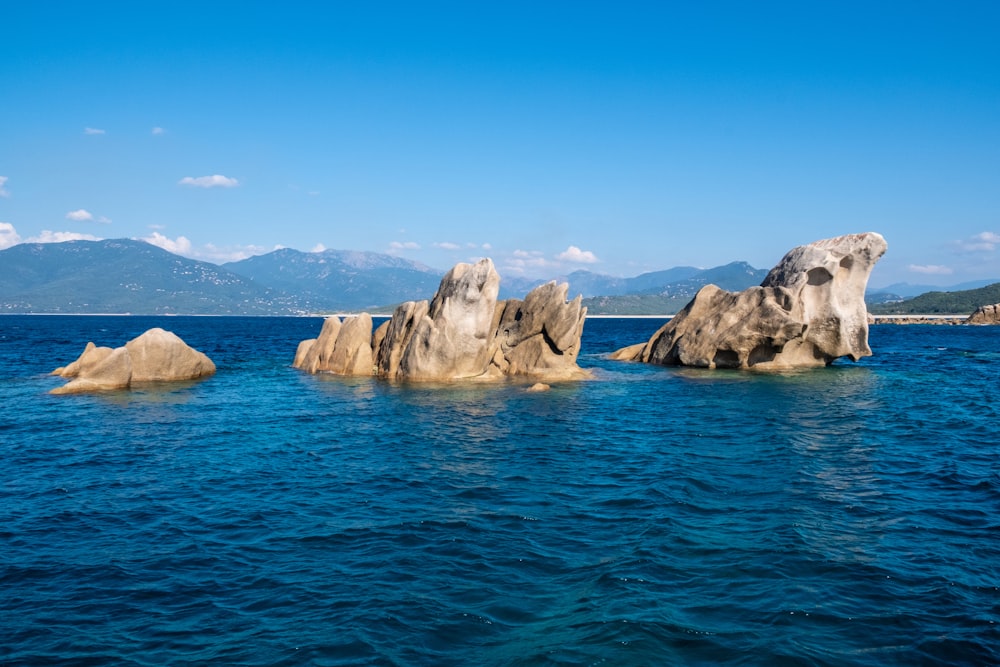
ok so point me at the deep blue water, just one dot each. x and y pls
(840, 516)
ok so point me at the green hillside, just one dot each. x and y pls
(941, 303)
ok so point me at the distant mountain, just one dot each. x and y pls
(125, 276)
(907, 290)
(341, 279)
(962, 302)
(667, 298)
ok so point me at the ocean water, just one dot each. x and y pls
(651, 516)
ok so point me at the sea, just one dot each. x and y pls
(847, 515)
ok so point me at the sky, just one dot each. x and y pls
(614, 137)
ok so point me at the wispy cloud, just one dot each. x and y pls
(48, 236)
(208, 253)
(931, 269)
(577, 256)
(521, 261)
(213, 181)
(158, 131)
(404, 245)
(93, 130)
(3, 190)
(319, 247)
(79, 215)
(982, 242)
(447, 245)
(8, 235)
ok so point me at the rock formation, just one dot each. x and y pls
(808, 311)
(462, 333)
(986, 315)
(155, 356)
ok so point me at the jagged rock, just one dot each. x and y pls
(155, 356)
(540, 336)
(452, 340)
(808, 311)
(462, 333)
(344, 348)
(986, 315)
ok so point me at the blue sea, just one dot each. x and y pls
(651, 516)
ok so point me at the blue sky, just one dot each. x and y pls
(618, 138)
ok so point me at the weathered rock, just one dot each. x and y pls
(462, 333)
(155, 356)
(808, 311)
(91, 357)
(343, 348)
(452, 340)
(986, 315)
(161, 356)
(540, 336)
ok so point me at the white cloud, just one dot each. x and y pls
(982, 242)
(319, 247)
(931, 269)
(574, 254)
(445, 245)
(206, 253)
(48, 236)
(407, 245)
(104, 220)
(79, 215)
(158, 130)
(3, 191)
(180, 246)
(213, 181)
(222, 254)
(528, 254)
(522, 260)
(487, 246)
(8, 235)
(93, 130)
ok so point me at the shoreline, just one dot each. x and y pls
(872, 319)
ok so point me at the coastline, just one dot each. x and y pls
(918, 319)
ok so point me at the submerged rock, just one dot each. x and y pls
(462, 333)
(808, 311)
(155, 356)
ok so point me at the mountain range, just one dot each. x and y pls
(129, 276)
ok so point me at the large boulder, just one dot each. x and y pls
(155, 356)
(986, 315)
(808, 311)
(462, 333)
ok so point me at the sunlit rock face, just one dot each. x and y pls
(808, 311)
(986, 315)
(155, 356)
(343, 348)
(464, 332)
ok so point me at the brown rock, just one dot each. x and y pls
(808, 311)
(986, 315)
(155, 356)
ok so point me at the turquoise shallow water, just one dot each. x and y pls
(840, 516)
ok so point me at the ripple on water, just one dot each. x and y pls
(845, 515)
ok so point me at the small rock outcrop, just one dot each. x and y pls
(155, 356)
(808, 311)
(464, 332)
(986, 315)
